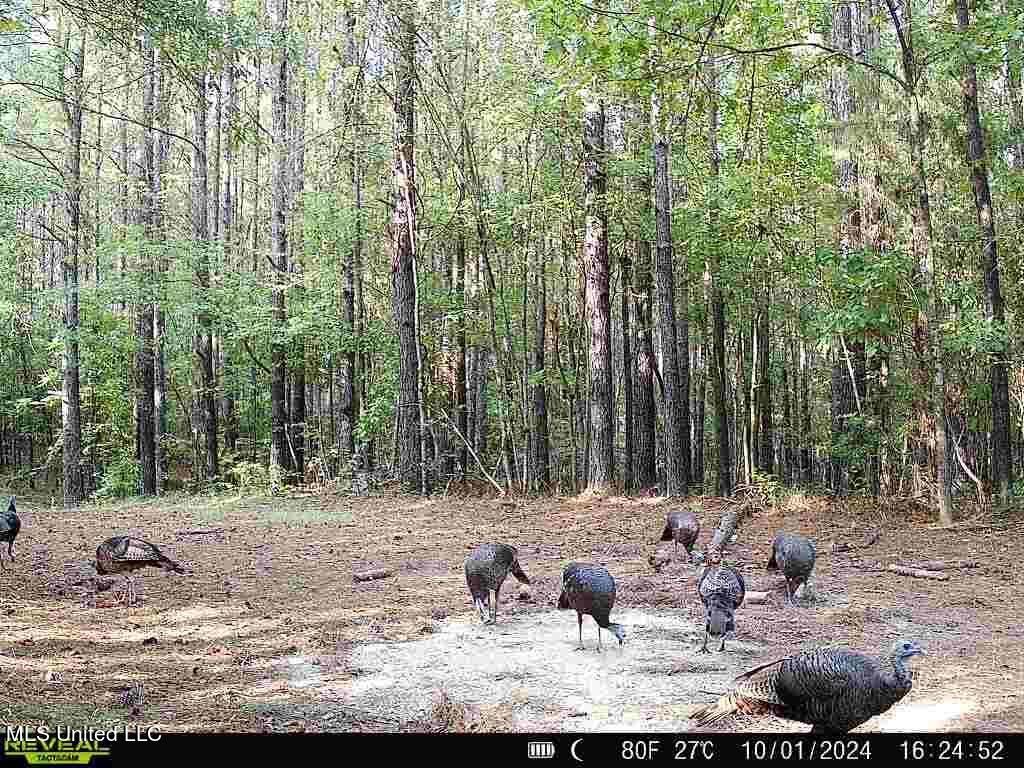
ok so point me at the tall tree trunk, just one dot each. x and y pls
(602, 418)
(541, 447)
(677, 430)
(403, 277)
(227, 235)
(1002, 460)
(724, 471)
(628, 478)
(162, 97)
(72, 74)
(766, 443)
(280, 456)
(203, 338)
(146, 437)
(931, 368)
(297, 411)
(347, 395)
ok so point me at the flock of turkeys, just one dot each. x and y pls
(831, 689)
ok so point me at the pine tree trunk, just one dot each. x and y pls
(203, 339)
(228, 375)
(724, 470)
(602, 424)
(296, 188)
(403, 279)
(280, 456)
(71, 409)
(766, 442)
(347, 396)
(977, 161)
(677, 453)
(541, 446)
(930, 371)
(628, 478)
(162, 96)
(146, 437)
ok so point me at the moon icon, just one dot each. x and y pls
(572, 749)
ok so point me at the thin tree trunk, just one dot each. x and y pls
(676, 439)
(72, 74)
(162, 95)
(280, 456)
(541, 447)
(146, 437)
(227, 235)
(1002, 460)
(724, 471)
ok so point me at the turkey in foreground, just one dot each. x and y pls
(832, 689)
(722, 590)
(590, 590)
(10, 524)
(124, 554)
(682, 528)
(486, 569)
(793, 555)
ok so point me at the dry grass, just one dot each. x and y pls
(259, 635)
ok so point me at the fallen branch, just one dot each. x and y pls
(918, 573)
(870, 538)
(207, 532)
(943, 565)
(376, 573)
(755, 598)
(727, 525)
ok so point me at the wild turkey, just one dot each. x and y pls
(722, 590)
(486, 569)
(125, 554)
(590, 590)
(832, 689)
(10, 524)
(681, 528)
(793, 555)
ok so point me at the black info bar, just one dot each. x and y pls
(487, 750)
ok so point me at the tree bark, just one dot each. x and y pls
(228, 376)
(677, 430)
(930, 372)
(724, 471)
(280, 457)
(403, 278)
(206, 395)
(72, 75)
(146, 437)
(602, 424)
(541, 444)
(977, 162)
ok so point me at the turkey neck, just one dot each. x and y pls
(899, 672)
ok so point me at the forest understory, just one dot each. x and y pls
(269, 632)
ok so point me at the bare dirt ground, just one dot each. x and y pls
(269, 631)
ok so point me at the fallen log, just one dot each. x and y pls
(755, 598)
(727, 526)
(943, 565)
(373, 575)
(918, 573)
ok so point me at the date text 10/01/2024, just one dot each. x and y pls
(952, 749)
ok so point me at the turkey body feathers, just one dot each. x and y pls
(486, 569)
(794, 556)
(123, 554)
(590, 590)
(721, 590)
(683, 528)
(10, 525)
(832, 689)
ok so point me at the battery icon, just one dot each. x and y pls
(540, 749)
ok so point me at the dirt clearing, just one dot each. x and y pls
(269, 631)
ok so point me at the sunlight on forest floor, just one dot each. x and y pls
(269, 632)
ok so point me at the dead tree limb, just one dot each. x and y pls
(918, 573)
(376, 573)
